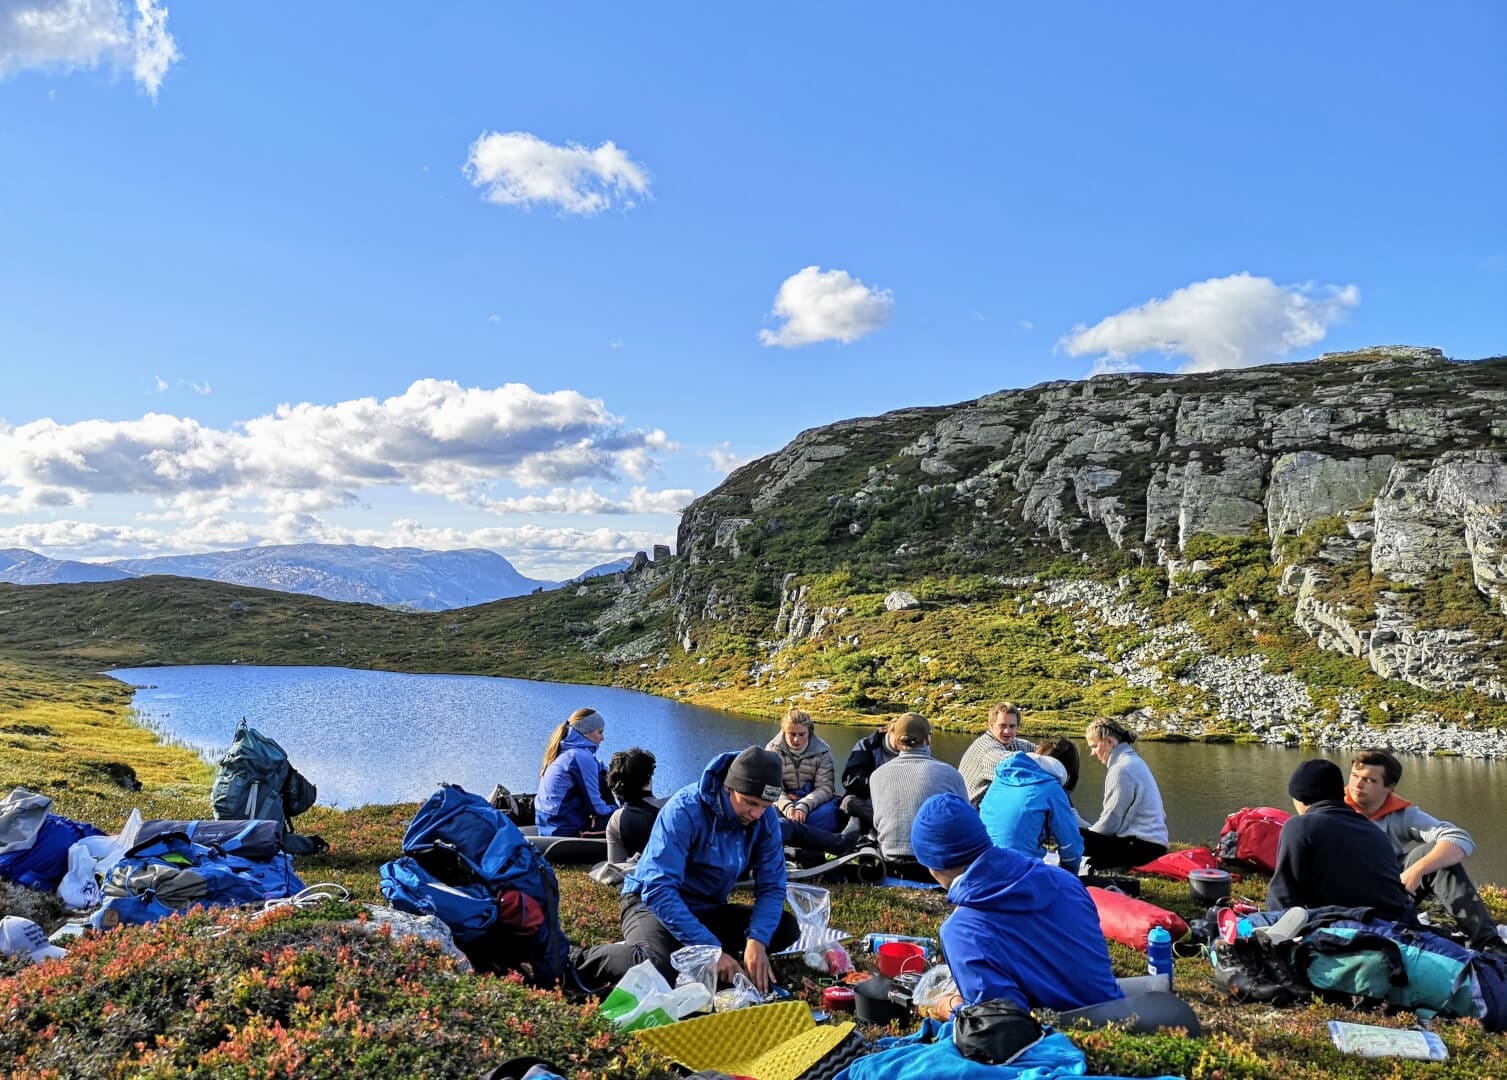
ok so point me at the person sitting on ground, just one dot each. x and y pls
(1328, 854)
(571, 780)
(710, 834)
(630, 778)
(900, 786)
(810, 774)
(1020, 929)
(1132, 826)
(1431, 852)
(1027, 803)
(870, 752)
(985, 753)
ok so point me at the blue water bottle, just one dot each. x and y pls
(1159, 953)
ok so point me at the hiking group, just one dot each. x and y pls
(999, 833)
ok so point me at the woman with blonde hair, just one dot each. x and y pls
(1132, 826)
(810, 773)
(571, 780)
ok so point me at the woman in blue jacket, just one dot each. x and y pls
(570, 801)
(1026, 805)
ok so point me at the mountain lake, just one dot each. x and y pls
(385, 737)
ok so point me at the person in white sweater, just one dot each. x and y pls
(1132, 825)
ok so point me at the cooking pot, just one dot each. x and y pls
(872, 1003)
(1209, 886)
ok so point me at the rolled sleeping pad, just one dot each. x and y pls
(1149, 1012)
(561, 850)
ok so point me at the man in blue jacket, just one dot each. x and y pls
(1022, 930)
(707, 837)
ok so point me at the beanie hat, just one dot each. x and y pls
(589, 723)
(910, 730)
(1316, 780)
(757, 772)
(947, 832)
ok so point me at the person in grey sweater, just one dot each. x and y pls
(899, 787)
(985, 753)
(1431, 853)
(1132, 826)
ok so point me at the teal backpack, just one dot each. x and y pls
(256, 781)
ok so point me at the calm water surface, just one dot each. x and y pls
(384, 737)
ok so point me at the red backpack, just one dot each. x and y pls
(1250, 836)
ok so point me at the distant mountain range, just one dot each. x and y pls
(393, 577)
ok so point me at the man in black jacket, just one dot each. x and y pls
(870, 752)
(1328, 854)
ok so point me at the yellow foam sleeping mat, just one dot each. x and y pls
(767, 1042)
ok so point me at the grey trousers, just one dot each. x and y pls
(1453, 888)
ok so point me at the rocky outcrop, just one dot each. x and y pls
(1392, 459)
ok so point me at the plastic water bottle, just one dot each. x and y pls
(1159, 953)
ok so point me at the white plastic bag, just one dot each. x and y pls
(79, 888)
(642, 999)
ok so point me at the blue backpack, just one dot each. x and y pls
(467, 864)
(43, 865)
(173, 872)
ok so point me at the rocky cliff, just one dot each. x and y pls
(1369, 486)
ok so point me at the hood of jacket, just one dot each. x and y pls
(713, 792)
(1020, 769)
(574, 740)
(1005, 881)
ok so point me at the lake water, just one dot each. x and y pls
(383, 737)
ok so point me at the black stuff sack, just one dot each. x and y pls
(995, 1032)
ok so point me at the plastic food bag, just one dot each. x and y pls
(740, 994)
(697, 964)
(813, 910)
(936, 984)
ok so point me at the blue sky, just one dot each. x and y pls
(530, 278)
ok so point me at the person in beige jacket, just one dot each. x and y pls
(810, 774)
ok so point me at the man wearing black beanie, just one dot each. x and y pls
(1328, 853)
(708, 836)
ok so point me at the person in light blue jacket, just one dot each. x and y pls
(708, 836)
(570, 800)
(1026, 805)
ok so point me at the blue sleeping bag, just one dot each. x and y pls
(43, 865)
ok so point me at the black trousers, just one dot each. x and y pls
(642, 930)
(1103, 851)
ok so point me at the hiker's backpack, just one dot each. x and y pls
(43, 864)
(466, 863)
(255, 780)
(1250, 836)
(171, 871)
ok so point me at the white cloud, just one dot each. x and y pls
(436, 438)
(1027, 325)
(722, 458)
(494, 318)
(518, 169)
(536, 550)
(1235, 321)
(640, 500)
(70, 34)
(826, 306)
(203, 389)
(159, 382)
